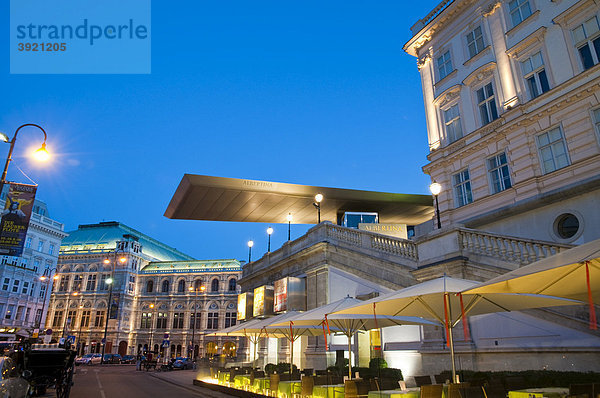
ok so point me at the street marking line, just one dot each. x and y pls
(100, 384)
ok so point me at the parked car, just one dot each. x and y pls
(11, 382)
(183, 363)
(112, 358)
(88, 359)
(128, 359)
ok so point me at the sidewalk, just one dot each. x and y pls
(185, 379)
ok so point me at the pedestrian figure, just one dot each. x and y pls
(138, 363)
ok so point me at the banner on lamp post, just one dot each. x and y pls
(15, 218)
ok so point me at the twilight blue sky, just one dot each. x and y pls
(298, 92)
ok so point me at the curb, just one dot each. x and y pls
(193, 388)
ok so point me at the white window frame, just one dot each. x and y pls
(475, 41)
(440, 75)
(589, 41)
(534, 73)
(521, 4)
(486, 101)
(498, 168)
(596, 122)
(467, 191)
(455, 121)
(553, 147)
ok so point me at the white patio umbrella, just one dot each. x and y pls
(567, 274)
(435, 300)
(349, 324)
(245, 329)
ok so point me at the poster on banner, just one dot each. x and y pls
(15, 218)
(114, 306)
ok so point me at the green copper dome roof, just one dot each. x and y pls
(103, 236)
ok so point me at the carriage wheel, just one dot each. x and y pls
(63, 386)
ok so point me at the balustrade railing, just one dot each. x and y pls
(516, 250)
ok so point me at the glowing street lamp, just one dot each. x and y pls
(269, 232)
(289, 219)
(250, 244)
(317, 204)
(435, 189)
(40, 155)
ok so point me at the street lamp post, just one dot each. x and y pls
(435, 189)
(193, 288)
(67, 312)
(150, 348)
(79, 332)
(250, 244)
(46, 280)
(289, 219)
(317, 204)
(41, 154)
(269, 232)
(109, 281)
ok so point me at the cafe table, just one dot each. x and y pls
(410, 393)
(287, 388)
(223, 377)
(328, 391)
(240, 381)
(548, 392)
(261, 384)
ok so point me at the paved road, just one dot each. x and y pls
(116, 381)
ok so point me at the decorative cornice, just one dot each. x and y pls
(489, 10)
(480, 74)
(524, 45)
(448, 95)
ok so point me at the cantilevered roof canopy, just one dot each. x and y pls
(201, 197)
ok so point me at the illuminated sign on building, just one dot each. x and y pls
(397, 230)
(244, 306)
(289, 294)
(263, 301)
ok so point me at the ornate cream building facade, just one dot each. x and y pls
(156, 291)
(513, 115)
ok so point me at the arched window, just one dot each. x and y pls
(197, 284)
(232, 285)
(149, 287)
(214, 287)
(181, 286)
(165, 286)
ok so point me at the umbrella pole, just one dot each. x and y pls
(349, 357)
(451, 340)
(255, 344)
(291, 357)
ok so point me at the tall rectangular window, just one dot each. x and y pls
(213, 320)
(25, 287)
(72, 318)
(444, 65)
(28, 241)
(40, 245)
(486, 102)
(146, 320)
(587, 41)
(452, 122)
(535, 76)
(475, 42)
(519, 11)
(230, 318)
(91, 283)
(64, 283)
(42, 291)
(103, 285)
(197, 318)
(51, 249)
(85, 319)
(161, 320)
(27, 314)
(498, 172)
(553, 150)
(178, 320)
(77, 283)
(6, 283)
(99, 321)
(596, 114)
(462, 188)
(38, 317)
(131, 285)
(57, 321)
(20, 310)
(16, 284)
